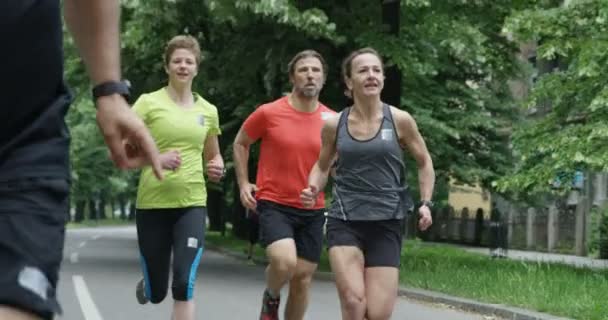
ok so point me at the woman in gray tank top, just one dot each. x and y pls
(365, 223)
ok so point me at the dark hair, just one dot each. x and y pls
(347, 64)
(183, 42)
(291, 66)
(348, 61)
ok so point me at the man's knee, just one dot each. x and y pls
(380, 308)
(300, 282)
(285, 264)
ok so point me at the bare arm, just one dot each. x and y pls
(95, 27)
(317, 179)
(410, 137)
(211, 150)
(321, 169)
(213, 158)
(240, 149)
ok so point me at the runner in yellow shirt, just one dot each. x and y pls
(171, 213)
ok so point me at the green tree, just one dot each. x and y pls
(452, 54)
(94, 179)
(571, 135)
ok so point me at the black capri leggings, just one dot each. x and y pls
(158, 232)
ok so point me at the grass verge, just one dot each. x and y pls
(557, 289)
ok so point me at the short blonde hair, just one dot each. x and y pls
(183, 42)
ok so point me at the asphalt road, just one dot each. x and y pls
(101, 268)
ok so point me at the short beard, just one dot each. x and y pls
(308, 92)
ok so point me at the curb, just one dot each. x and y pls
(499, 310)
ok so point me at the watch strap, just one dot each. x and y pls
(111, 87)
(426, 203)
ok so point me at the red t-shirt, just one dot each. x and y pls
(290, 146)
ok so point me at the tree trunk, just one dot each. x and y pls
(391, 12)
(132, 210)
(215, 208)
(239, 221)
(123, 207)
(102, 209)
(68, 214)
(240, 224)
(604, 236)
(79, 214)
(112, 208)
(93, 214)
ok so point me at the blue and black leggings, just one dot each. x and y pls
(160, 231)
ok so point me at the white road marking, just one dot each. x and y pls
(89, 309)
(95, 237)
(82, 244)
(74, 257)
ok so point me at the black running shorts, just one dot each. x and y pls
(305, 227)
(380, 241)
(33, 213)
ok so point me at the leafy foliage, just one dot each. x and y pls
(453, 56)
(573, 101)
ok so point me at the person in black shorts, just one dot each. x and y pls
(370, 201)
(34, 139)
(292, 235)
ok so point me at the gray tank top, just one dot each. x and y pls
(368, 183)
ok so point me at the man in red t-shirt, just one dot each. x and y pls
(290, 133)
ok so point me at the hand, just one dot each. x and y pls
(247, 198)
(171, 160)
(308, 196)
(130, 143)
(425, 218)
(215, 170)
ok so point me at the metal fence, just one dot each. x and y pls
(474, 228)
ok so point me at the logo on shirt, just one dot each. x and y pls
(386, 134)
(201, 120)
(325, 115)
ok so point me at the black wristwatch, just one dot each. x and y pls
(112, 87)
(427, 203)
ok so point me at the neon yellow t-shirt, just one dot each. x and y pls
(176, 128)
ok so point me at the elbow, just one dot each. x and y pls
(239, 147)
(426, 164)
